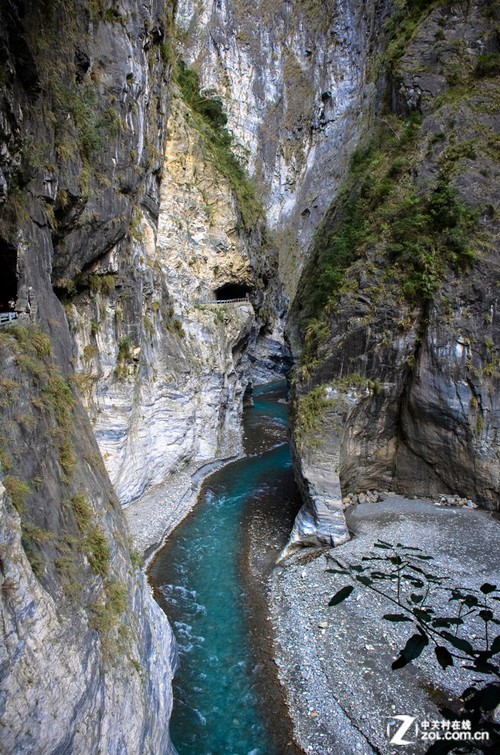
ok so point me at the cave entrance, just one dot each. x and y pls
(231, 291)
(8, 279)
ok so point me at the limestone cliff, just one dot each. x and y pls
(294, 80)
(118, 255)
(163, 366)
(396, 322)
(86, 654)
(119, 244)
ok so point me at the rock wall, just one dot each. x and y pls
(83, 98)
(116, 252)
(397, 315)
(296, 82)
(163, 370)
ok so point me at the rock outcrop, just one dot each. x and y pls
(79, 623)
(87, 656)
(295, 81)
(118, 256)
(165, 368)
(398, 310)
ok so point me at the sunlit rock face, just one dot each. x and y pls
(87, 656)
(167, 367)
(66, 685)
(295, 80)
(406, 335)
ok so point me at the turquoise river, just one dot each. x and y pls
(210, 578)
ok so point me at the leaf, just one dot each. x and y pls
(416, 568)
(356, 567)
(443, 656)
(416, 598)
(470, 601)
(382, 544)
(458, 642)
(417, 583)
(379, 575)
(489, 696)
(395, 617)
(341, 595)
(447, 621)
(411, 650)
(495, 645)
(425, 558)
(486, 615)
(423, 615)
(468, 693)
(487, 588)
(396, 560)
(482, 667)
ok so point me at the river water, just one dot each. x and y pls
(210, 578)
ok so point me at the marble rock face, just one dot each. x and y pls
(87, 656)
(293, 82)
(420, 369)
(175, 394)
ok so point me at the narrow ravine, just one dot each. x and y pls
(210, 579)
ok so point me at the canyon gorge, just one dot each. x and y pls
(197, 198)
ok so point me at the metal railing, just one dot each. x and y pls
(225, 301)
(6, 317)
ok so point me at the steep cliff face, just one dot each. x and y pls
(82, 111)
(118, 248)
(163, 365)
(294, 80)
(397, 317)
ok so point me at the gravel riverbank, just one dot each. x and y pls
(335, 662)
(158, 512)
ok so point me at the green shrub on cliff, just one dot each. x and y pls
(210, 121)
(309, 412)
(428, 234)
(98, 551)
(488, 64)
(423, 231)
(18, 491)
(205, 103)
(403, 22)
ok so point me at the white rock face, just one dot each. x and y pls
(60, 692)
(321, 520)
(163, 371)
(293, 80)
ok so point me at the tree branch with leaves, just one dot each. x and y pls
(402, 576)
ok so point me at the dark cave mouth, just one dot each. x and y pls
(230, 291)
(8, 280)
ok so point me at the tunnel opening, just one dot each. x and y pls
(8, 279)
(230, 291)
